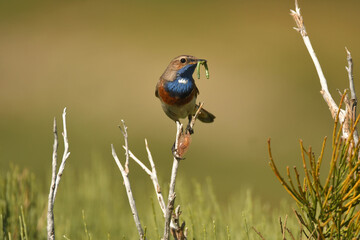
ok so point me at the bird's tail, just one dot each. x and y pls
(205, 116)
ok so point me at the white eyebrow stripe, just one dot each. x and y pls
(182, 80)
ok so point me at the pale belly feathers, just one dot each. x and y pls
(175, 112)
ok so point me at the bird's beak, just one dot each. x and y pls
(196, 61)
(200, 61)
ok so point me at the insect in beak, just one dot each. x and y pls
(202, 62)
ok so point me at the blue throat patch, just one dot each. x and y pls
(184, 83)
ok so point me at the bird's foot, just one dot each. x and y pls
(189, 130)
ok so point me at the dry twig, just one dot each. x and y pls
(55, 177)
(152, 174)
(258, 233)
(353, 99)
(178, 231)
(172, 195)
(324, 88)
(125, 134)
(171, 221)
(125, 176)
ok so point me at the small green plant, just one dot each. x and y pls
(87, 234)
(20, 203)
(327, 209)
(207, 217)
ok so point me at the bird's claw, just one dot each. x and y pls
(189, 130)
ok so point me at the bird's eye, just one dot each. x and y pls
(182, 60)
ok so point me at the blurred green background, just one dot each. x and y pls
(102, 59)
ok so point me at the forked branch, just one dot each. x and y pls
(182, 143)
(55, 177)
(124, 173)
(343, 116)
(153, 175)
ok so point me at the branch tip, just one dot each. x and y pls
(297, 6)
(54, 126)
(347, 51)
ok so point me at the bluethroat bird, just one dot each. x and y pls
(177, 91)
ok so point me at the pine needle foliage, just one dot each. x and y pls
(327, 209)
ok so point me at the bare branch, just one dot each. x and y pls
(152, 174)
(145, 168)
(169, 210)
(172, 195)
(50, 214)
(66, 153)
(283, 227)
(324, 88)
(129, 193)
(154, 178)
(124, 132)
(299, 20)
(192, 123)
(178, 231)
(349, 69)
(180, 139)
(353, 99)
(55, 178)
(175, 162)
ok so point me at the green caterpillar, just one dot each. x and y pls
(205, 66)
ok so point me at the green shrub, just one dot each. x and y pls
(98, 200)
(327, 209)
(22, 208)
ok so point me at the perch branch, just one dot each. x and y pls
(172, 195)
(167, 210)
(55, 178)
(184, 140)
